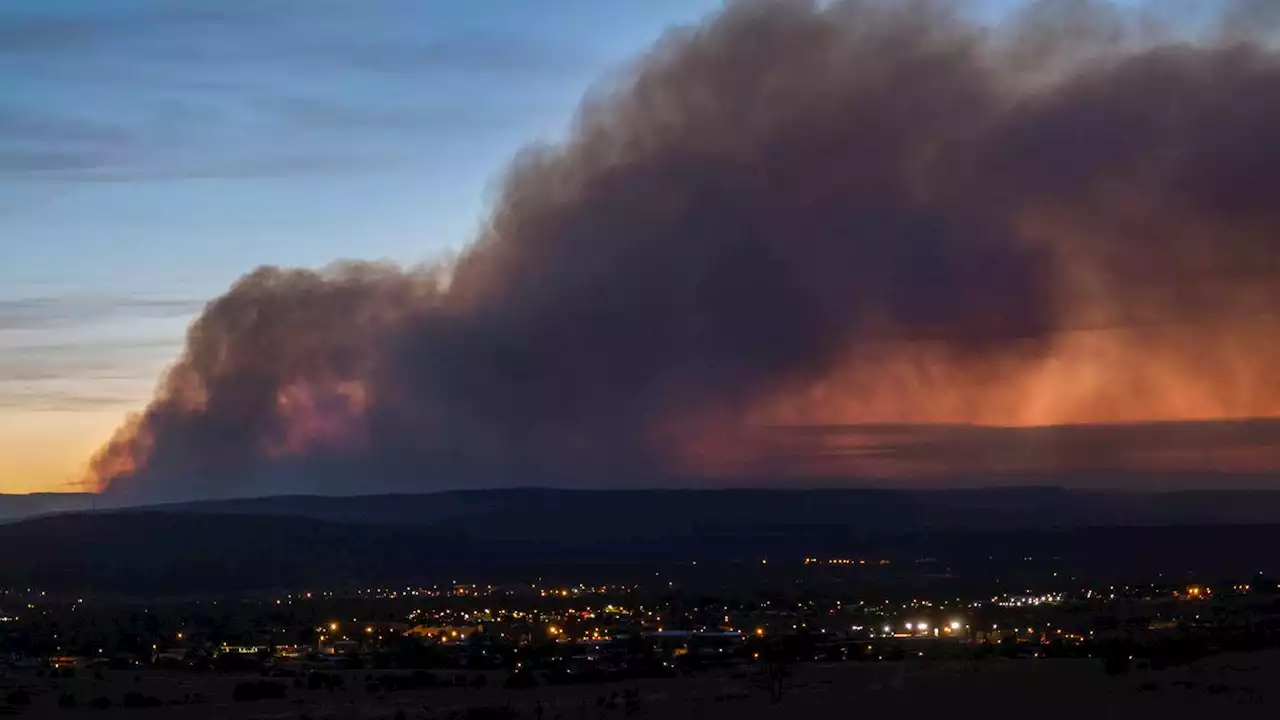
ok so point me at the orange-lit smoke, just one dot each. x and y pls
(852, 238)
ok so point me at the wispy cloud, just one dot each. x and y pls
(33, 141)
(36, 160)
(322, 114)
(75, 355)
(52, 312)
(927, 450)
(23, 31)
(81, 352)
(248, 168)
(471, 53)
(65, 400)
(146, 93)
(23, 124)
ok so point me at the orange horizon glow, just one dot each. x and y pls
(1107, 379)
(45, 457)
(45, 451)
(1026, 412)
(1126, 382)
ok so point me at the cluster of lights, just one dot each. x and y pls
(1197, 592)
(923, 626)
(1031, 600)
(843, 561)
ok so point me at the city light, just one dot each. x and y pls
(1030, 600)
(586, 622)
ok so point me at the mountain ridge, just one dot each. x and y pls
(1000, 507)
(875, 508)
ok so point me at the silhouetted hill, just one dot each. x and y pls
(871, 509)
(141, 553)
(602, 513)
(13, 507)
(295, 542)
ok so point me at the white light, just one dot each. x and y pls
(955, 624)
(888, 629)
(923, 626)
(910, 626)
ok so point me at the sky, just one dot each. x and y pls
(151, 152)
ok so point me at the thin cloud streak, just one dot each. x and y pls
(923, 451)
(89, 353)
(507, 55)
(45, 313)
(224, 122)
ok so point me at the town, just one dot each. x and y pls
(391, 645)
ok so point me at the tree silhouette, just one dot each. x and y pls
(775, 656)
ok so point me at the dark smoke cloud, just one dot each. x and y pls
(795, 214)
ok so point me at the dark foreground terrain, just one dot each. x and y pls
(141, 553)
(1235, 685)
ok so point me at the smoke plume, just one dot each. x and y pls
(795, 215)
